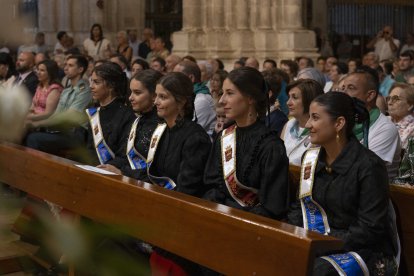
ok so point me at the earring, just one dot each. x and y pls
(337, 137)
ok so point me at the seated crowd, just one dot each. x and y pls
(229, 137)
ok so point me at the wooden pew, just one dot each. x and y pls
(403, 199)
(224, 239)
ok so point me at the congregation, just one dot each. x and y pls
(189, 125)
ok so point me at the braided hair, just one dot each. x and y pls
(114, 77)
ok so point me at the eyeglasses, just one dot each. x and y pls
(393, 99)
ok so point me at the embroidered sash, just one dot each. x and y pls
(243, 195)
(165, 182)
(348, 264)
(136, 160)
(315, 219)
(104, 153)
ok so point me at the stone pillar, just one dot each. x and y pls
(64, 15)
(242, 15)
(192, 15)
(291, 14)
(219, 20)
(264, 21)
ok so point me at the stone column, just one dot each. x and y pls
(291, 14)
(192, 15)
(242, 15)
(219, 20)
(64, 15)
(264, 21)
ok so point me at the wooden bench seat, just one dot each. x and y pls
(224, 239)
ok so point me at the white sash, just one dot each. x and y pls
(136, 160)
(155, 139)
(104, 153)
(245, 196)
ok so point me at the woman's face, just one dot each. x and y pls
(295, 103)
(96, 32)
(167, 107)
(141, 99)
(321, 126)
(398, 106)
(42, 74)
(236, 105)
(100, 91)
(333, 74)
(3, 70)
(215, 83)
(351, 66)
(136, 68)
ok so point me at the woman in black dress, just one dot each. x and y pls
(258, 181)
(135, 149)
(111, 118)
(344, 192)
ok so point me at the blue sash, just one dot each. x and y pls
(104, 153)
(164, 182)
(136, 160)
(315, 219)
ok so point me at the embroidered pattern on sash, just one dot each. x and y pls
(348, 264)
(164, 182)
(315, 219)
(104, 153)
(243, 195)
(136, 160)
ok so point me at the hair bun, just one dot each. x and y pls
(361, 112)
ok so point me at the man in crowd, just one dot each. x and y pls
(384, 44)
(204, 113)
(383, 138)
(26, 76)
(252, 62)
(65, 128)
(171, 61)
(405, 64)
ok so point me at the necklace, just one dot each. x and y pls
(328, 169)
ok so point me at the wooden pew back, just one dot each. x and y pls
(227, 240)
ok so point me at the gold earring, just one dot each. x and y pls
(337, 137)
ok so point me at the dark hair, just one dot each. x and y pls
(356, 60)
(271, 61)
(251, 83)
(275, 78)
(81, 61)
(408, 53)
(190, 58)
(222, 74)
(388, 67)
(148, 78)
(144, 64)
(371, 76)
(181, 88)
(160, 60)
(220, 64)
(191, 68)
(341, 68)
(122, 59)
(60, 35)
(293, 66)
(114, 77)
(7, 59)
(310, 89)
(52, 71)
(309, 61)
(321, 58)
(100, 31)
(339, 104)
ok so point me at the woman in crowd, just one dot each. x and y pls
(275, 119)
(133, 162)
(110, 119)
(177, 156)
(344, 186)
(336, 74)
(123, 45)
(295, 134)
(216, 84)
(400, 107)
(47, 93)
(247, 167)
(353, 64)
(96, 45)
(139, 65)
(290, 67)
(7, 69)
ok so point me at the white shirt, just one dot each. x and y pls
(205, 112)
(295, 146)
(383, 49)
(384, 140)
(97, 51)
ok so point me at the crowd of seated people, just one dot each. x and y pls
(229, 137)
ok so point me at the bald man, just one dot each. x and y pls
(171, 61)
(25, 74)
(252, 62)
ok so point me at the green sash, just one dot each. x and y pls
(359, 129)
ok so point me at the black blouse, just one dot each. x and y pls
(261, 163)
(181, 155)
(355, 199)
(146, 126)
(116, 119)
